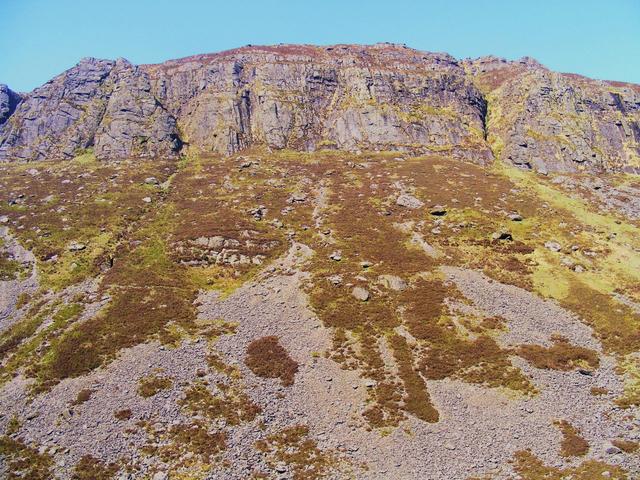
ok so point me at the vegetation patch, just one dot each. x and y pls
(560, 356)
(299, 452)
(23, 461)
(416, 400)
(90, 468)
(232, 405)
(152, 384)
(530, 467)
(83, 396)
(627, 446)
(480, 361)
(10, 269)
(124, 414)
(186, 440)
(267, 358)
(573, 445)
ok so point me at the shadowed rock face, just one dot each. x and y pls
(8, 102)
(380, 97)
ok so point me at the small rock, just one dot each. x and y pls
(146, 199)
(409, 201)
(76, 246)
(449, 446)
(160, 476)
(515, 217)
(613, 450)
(298, 197)
(151, 181)
(438, 211)
(502, 236)
(393, 282)
(4, 219)
(281, 468)
(553, 246)
(336, 256)
(360, 293)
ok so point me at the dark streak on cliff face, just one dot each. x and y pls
(380, 97)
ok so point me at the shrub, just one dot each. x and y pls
(267, 358)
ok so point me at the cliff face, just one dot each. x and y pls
(381, 97)
(562, 122)
(8, 102)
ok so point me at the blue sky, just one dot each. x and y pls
(40, 38)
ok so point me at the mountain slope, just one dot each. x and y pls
(380, 97)
(317, 315)
(210, 273)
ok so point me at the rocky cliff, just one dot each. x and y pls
(380, 97)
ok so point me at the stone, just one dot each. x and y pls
(151, 181)
(613, 450)
(553, 246)
(392, 282)
(409, 201)
(360, 293)
(438, 211)
(502, 235)
(336, 256)
(298, 197)
(258, 212)
(515, 217)
(76, 246)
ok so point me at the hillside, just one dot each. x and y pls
(301, 262)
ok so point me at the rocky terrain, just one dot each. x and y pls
(301, 262)
(381, 97)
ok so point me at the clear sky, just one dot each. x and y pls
(41, 38)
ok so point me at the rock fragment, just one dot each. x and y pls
(553, 246)
(409, 201)
(438, 211)
(360, 293)
(392, 282)
(76, 246)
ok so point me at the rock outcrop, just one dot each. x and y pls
(561, 122)
(380, 97)
(8, 102)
